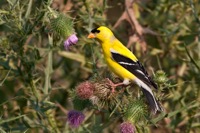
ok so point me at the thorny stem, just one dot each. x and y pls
(91, 47)
(34, 90)
(47, 86)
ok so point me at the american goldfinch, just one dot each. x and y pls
(124, 64)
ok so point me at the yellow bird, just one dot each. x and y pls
(124, 64)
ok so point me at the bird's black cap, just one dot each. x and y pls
(95, 30)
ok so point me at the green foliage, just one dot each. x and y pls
(38, 78)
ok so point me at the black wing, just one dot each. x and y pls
(135, 68)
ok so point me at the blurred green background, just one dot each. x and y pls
(38, 76)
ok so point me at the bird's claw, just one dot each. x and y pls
(113, 85)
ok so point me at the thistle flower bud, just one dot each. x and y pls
(63, 25)
(73, 39)
(126, 127)
(160, 77)
(85, 90)
(75, 118)
(135, 111)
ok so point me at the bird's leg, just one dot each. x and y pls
(113, 85)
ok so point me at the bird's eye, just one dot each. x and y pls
(95, 30)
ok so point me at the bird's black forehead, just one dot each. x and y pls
(95, 30)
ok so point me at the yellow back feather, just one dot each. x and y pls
(109, 41)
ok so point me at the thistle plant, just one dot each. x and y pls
(63, 26)
(85, 90)
(73, 39)
(75, 118)
(41, 66)
(160, 77)
(126, 127)
(135, 111)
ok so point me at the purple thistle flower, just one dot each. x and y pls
(126, 127)
(75, 118)
(71, 40)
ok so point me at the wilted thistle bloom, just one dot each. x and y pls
(102, 90)
(94, 100)
(71, 40)
(126, 127)
(75, 118)
(85, 90)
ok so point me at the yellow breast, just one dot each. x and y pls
(119, 70)
(114, 66)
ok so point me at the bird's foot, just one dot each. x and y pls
(113, 85)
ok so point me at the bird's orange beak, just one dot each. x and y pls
(91, 35)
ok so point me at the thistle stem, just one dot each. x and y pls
(49, 68)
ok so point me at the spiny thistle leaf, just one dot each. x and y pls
(63, 25)
(135, 111)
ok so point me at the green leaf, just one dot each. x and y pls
(11, 119)
(74, 56)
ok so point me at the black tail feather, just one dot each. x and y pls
(154, 105)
